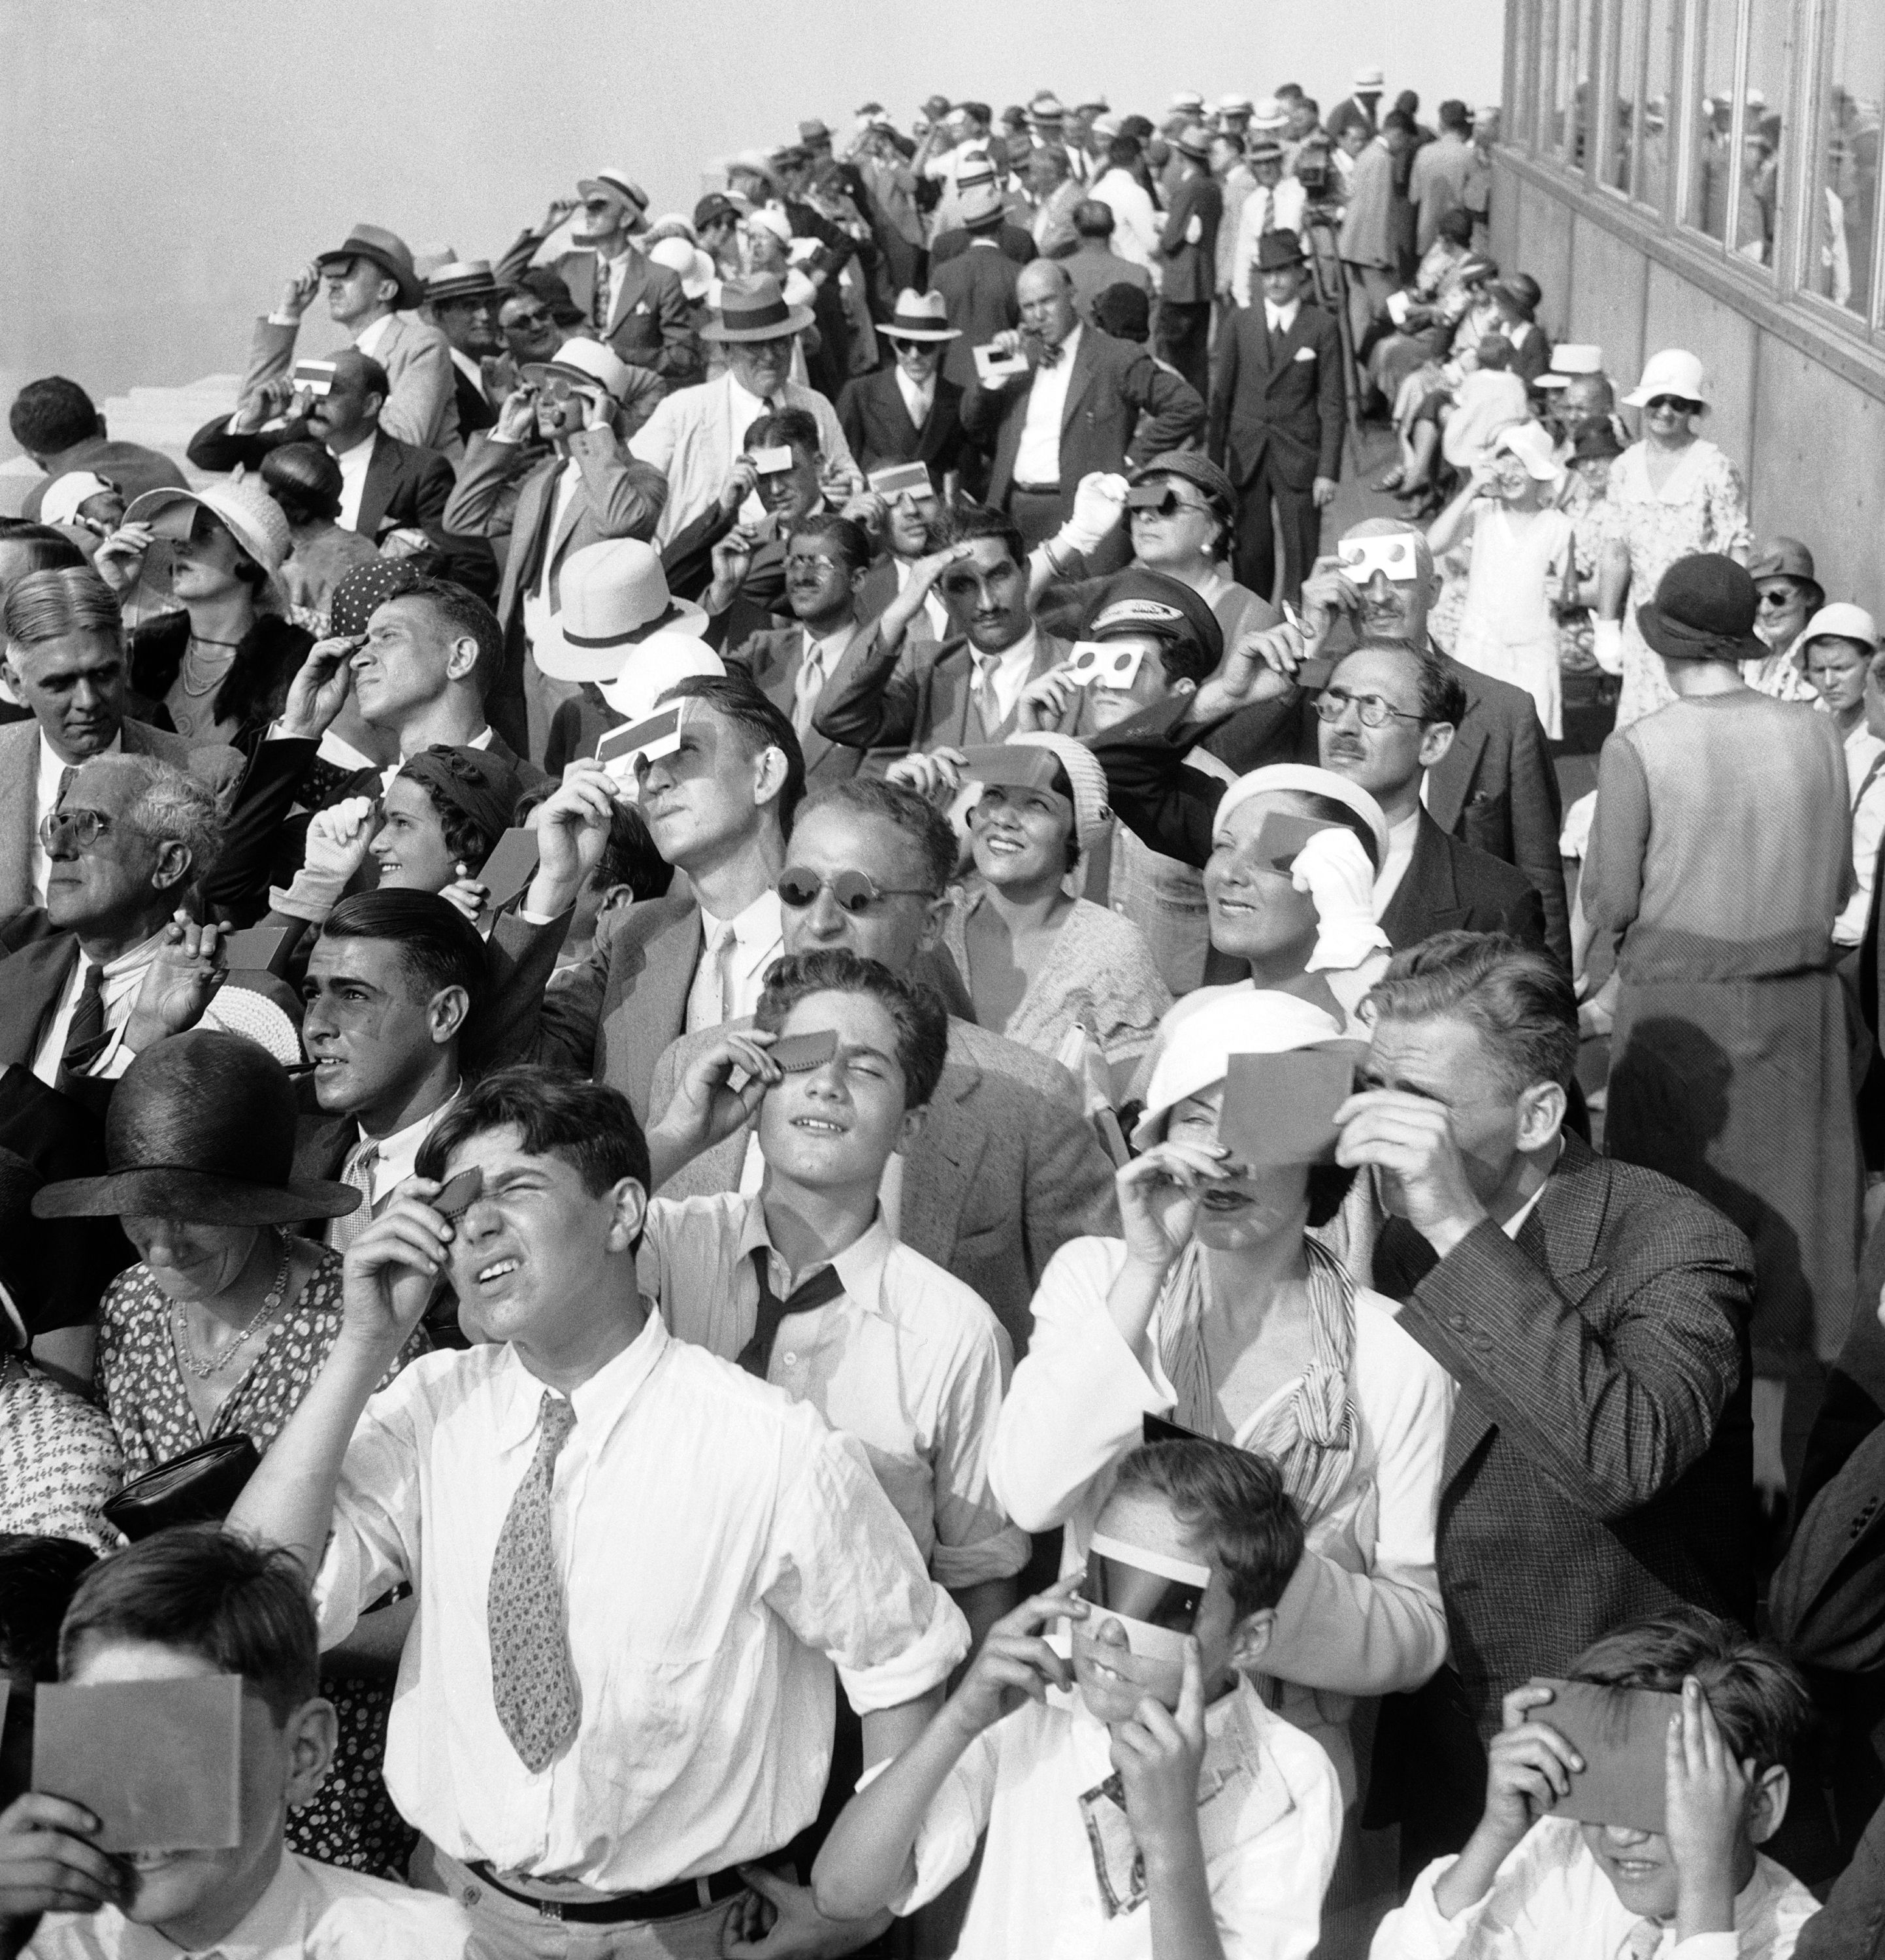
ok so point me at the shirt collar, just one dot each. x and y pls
(760, 924)
(399, 1152)
(860, 1265)
(51, 767)
(1020, 654)
(1515, 1224)
(280, 1922)
(134, 959)
(600, 1403)
(369, 342)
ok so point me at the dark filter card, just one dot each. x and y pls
(459, 1194)
(158, 1762)
(1019, 764)
(1280, 1108)
(1314, 675)
(254, 950)
(658, 735)
(796, 1053)
(507, 873)
(1622, 1734)
(1280, 836)
(900, 477)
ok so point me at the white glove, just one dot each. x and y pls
(1099, 504)
(1334, 870)
(338, 837)
(1606, 643)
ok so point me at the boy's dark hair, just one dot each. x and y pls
(904, 810)
(738, 698)
(922, 1021)
(52, 416)
(38, 1577)
(967, 521)
(1234, 1498)
(1755, 1692)
(846, 537)
(1519, 1003)
(206, 1591)
(438, 946)
(587, 1124)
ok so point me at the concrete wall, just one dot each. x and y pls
(166, 166)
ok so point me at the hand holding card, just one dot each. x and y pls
(1279, 1109)
(1104, 664)
(1622, 1734)
(622, 751)
(993, 367)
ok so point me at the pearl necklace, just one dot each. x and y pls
(194, 664)
(272, 1301)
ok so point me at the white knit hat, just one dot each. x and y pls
(1304, 780)
(1084, 776)
(1198, 1037)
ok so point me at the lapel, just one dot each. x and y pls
(941, 1169)
(1427, 898)
(1450, 781)
(376, 493)
(572, 516)
(1086, 361)
(579, 270)
(648, 982)
(36, 975)
(1286, 344)
(19, 793)
(624, 298)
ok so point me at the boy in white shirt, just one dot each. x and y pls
(186, 1603)
(1162, 1811)
(1531, 1885)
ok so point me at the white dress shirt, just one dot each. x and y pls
(355, 464)
(1280, 320)
(723, 991)
(1037, 454)
(1551, 1900)
(45, 801)
(917, 401)
(310, 1911)
(721, 1550)
(1863, 752)
(1008, 671)
(369, 340)
(610, 274)
(1136, 231)
(906, 1359)
(1269, 1813)
(397, 1156)
(1362, 1616)
(817, 663)
(1400, 854)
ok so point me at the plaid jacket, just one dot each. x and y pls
(1599, 1467)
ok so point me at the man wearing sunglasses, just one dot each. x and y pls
(632, 305)
(1007, 1169)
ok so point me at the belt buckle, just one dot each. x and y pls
(549, 1909)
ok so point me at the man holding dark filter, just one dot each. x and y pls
(1599, 1458)
(1278, 417)
(908, 413)
(1188, 247)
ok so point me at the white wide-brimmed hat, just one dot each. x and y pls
(1674, 371)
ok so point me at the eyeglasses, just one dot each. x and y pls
(78, 828)
(810, 561)
(855, 891)
(1167, 506)
(1672, 405)
(534, 316)
(1775, 599)
(1373, 712)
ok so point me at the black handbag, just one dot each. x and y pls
(198, 1487)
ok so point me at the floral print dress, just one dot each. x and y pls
(140, 1382)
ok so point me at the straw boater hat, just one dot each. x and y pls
(613, 596)
(920, 316)
(620, 188)
(461, 279)
(388, 251)
(755, 309)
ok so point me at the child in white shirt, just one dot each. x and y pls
(1162, 1811)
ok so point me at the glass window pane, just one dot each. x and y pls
(1655, 91)
(1524, 74)
(1714, 169)
(1843, 223)
(1618, 168)
(1769, 22)
(1549, 125)
(1573, 80)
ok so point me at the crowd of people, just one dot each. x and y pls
(821, 1153)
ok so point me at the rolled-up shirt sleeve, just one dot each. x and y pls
(975, 1541)
(373, 1542)
(957, 1816)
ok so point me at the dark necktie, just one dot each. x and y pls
(86, 1036)
(66, 776)
(1050, 354)
(756, 1356)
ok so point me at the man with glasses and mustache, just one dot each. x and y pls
(630, 303)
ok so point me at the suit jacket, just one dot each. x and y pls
(1598, 1460)
(978, 285)
(1015, 243)
(650, 324)
(218, 767)
(1449, 886)
(405, 485)
(1277, 400)
(919, 697)
(877, 426)
(1191, 269)
(1094, 272)
(36, 959)
(422, 408)
(129, 465)
(692, 439)
(773, 656)
(1004, 1172)
(1121, 405)
(1367, 223)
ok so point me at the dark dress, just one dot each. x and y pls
(249, 695)
(140, 1382)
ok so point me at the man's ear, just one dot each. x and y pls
(446, 1014)
(630, 1203)
(1541, 1115)
(1435, 739)
(769, 771)
(1251, 1637)
(462, 661)
(912, 1126)
(1184, 685)
(1767, 1801)
(173, 864)
(936, 916)
(389, 292)
(310, 1733)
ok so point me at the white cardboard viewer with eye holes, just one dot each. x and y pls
(992, 365)
(1104, 664)
(1393, 554)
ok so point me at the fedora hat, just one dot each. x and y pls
(1703, 610)
(1194, 141)
(979, 204)
(616, 184)
(1046, 107)
(462, 279)
(1277, 249)
(920, 317)
(1369, 80)
(755, 309)
(814, 132)
(614, 595)
(752, 163)
(580, 359)
(1674, 371)
(1236, 105)
(387, 250)
(201, 1128)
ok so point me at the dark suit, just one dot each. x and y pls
(1277, 403)
(1191, 277)
(978, 287)
(773, 656)
(405, 486)
(1121, 405)
(918, 697)
(1014, 242)
(1004, 1172)
(36, 959)
(1450, 887)
(1598, 1460)
(650, 324)
(475, 411)
(877, 426)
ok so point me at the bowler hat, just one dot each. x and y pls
(920, 317)
(463, 279)
(613, 596)
(755, 309)
(1787, 558)
(202, 1128)
(388, 251)
(1277, 249)
(1703, 610)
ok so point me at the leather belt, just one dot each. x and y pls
(670, 1902)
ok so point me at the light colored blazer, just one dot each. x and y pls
(423, 405)
(692, 439)
(218, 767)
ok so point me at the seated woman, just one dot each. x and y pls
(1435, 303)
(1216, 1311)
(1041, 964)
(304, 480)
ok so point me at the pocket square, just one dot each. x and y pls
(1305, 354)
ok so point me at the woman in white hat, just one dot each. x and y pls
(1671, 495)
(1217, 1309)
(1521, 555)
(1039, 962)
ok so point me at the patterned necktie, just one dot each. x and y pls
(756, 1356)
(86, 1034)
(599, 308)
(1050, 354)
(1645, 1938)
(532, 1680)
(362, 1160)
